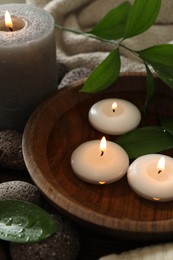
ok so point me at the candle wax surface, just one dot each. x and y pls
(88, 164)
(37, 24)
(125, 117)
(144, 179)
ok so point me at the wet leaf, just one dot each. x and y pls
(22, 222)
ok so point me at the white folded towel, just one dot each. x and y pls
(155, 252)
(78, 51)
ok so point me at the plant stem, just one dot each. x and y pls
(116, 43)
(127, 48)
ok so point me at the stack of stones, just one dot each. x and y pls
(64, 245)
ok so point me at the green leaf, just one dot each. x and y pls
(141, 16)
(112, 26)
(105, 74)
(150, 86)
(145, 140)
(167, 124)
(160, 57)
(22, 222)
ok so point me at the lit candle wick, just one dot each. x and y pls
(161, 165)
(102, 146)
(114, 106)
(102, 152)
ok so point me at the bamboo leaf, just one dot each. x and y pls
(150, 86)
(162, 54)
(145, 140)
(160, 57)
(22, 222)
(141, 16)
(167, 124)
(105, 74)
(112, 26)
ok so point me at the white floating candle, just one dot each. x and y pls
(99, 163)
(151, 176)
(114, 116)
(27, 62)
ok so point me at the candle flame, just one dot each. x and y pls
(103, 145)
(161, 164)
(114, 106)
(8, 20)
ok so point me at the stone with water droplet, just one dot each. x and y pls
(63, 245)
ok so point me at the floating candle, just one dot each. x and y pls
(114, 116)
(99, 163)
(27, 62)
(151, 176)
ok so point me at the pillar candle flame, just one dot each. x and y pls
(8, 21)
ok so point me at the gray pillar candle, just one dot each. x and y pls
(27, 63)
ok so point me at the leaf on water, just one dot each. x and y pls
(141, 16)
(145, 140)
(167, 124)
(112, 26)
(22, 222)
(160, 57)
(105, 74)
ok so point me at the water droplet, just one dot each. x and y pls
(20, 235)
(21, 230)
(30, 224)
(27, 238)
(9, 221)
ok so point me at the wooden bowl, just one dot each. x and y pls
(58, 126)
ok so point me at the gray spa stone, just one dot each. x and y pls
(11, 150)
(20, 190)
(64, 245)
(61, 70)
(74, 75)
